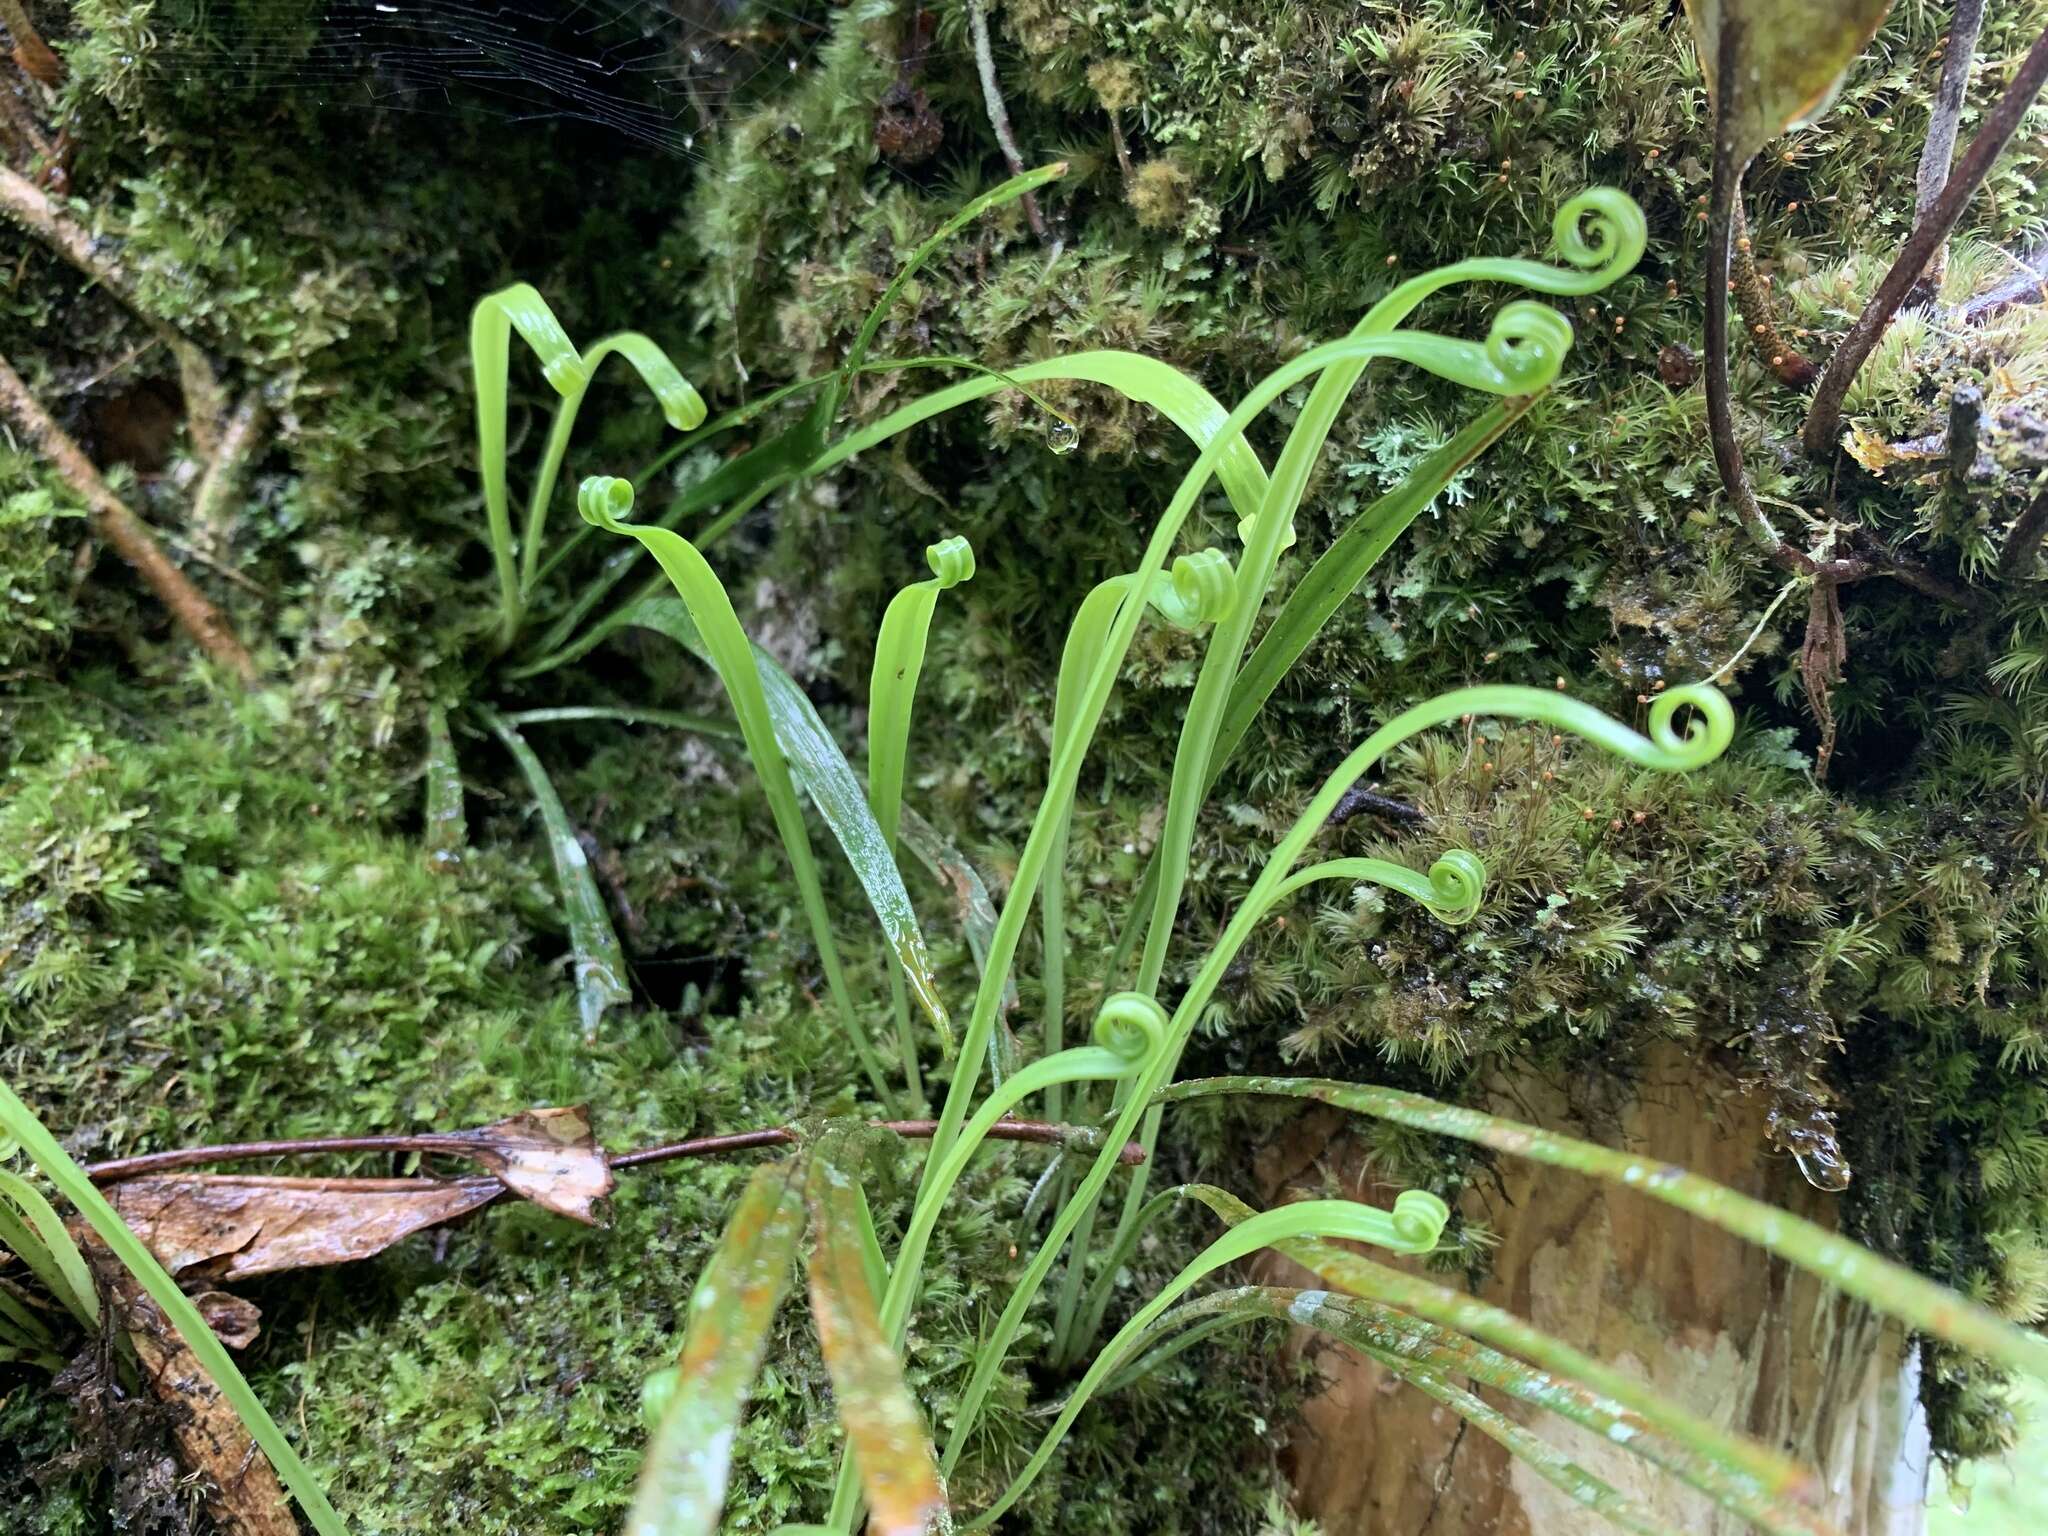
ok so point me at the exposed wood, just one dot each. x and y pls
(128, 534)
(1694, 1312)
(998, 113)
(2022, 552)
(35, 57)
(246, 1498)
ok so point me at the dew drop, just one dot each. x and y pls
(1062, 437)
(1824, 1170)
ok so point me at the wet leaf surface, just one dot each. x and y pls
(885, 1431)
(547, 1155)
(232, 1226)
(683, 1479)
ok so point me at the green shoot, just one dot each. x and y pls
(885, 1432)
(604, 501)
(892, 694)
(1890, 1288)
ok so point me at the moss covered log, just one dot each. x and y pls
(218, 914)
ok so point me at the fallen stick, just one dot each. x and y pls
(115, 1169)
(27, 204)
(121, 528)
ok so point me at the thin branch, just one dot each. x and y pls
(22, 125)
(211, 522)
(24, 202)
(35, 56)
(2023, 543)
(2028, 286)
(1824, 419)
(1938, 153)
(115, 1169)
(998, 114)
(128, 534)
(1356, 800)
(1965, 432)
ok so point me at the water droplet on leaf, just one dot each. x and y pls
(1063, 437)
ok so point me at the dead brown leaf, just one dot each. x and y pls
(547, 1155)
(1821, 663)
(231, 1226)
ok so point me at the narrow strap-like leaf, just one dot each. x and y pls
(1338, 571)
(689, 1458)
(681, 406)
(593, 944)
(47, 1249)
(1889, 1287)
(892, 698)
(1143, 380)
(1538, 1454)
(1390, 1335)
(1762, 1477)
(817, 767)
(721, 641)
(976, 911)
(885, 1431)
(19, 1324)
(518, 308)
(1310, 606)
(1413, 1226)
(447, 833)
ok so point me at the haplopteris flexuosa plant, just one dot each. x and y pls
(1426, 1333)
(862, 1298)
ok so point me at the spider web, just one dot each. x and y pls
(656, 73)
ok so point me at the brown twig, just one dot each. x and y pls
(128, 534)
(1965, 430)
(998, 114)
(24, 202)
(1721, 206)
(115, 1169)
(1355, 801)
(26, 132)
(2028, 286)
(1867, 558)
(1824, 418)
(1938, 153)
(36, 58)
(2023, 543)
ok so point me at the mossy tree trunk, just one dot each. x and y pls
(1697, 1314)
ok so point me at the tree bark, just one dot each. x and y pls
(1697, 1314)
